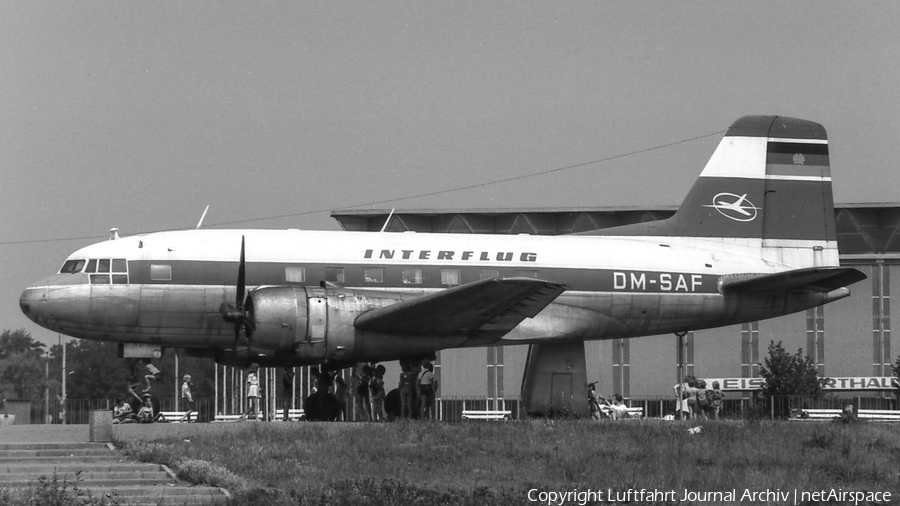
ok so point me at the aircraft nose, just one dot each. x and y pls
(29, 302)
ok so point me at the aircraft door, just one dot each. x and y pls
(561, 391)
(316, 343)
(318, 319)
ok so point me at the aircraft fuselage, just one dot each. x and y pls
(167, 288)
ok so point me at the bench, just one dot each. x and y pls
(636, 412)
(176, 417)
(632, 413)
(293, 415)
(871, 415)
(470, 414)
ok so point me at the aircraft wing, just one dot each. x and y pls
(464, 309)
(815, 279)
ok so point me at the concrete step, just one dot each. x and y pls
(71, 467)
(97, 470)
(9, 461)
(51, 446)
(78, 452)
(80, 475)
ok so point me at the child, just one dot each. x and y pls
(154, 375)
(145, 415)
(187, 398)
(122, 412)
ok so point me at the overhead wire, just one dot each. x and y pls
(408, 197)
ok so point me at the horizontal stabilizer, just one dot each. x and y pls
(464, 309)
(815, 279)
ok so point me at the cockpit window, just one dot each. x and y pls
(72, 267)
(103, 266)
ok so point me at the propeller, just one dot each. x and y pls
(237, 313)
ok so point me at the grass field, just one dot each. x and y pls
(512, 463)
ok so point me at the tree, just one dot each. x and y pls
(19, 341)
(21, 367)
(896, 369)
(788, 375)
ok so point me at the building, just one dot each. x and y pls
(850, 340)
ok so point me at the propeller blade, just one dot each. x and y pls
(241, 281)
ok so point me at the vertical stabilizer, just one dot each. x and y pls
(768, 184)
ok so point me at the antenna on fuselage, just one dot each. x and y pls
(387, 221)
(113, 234)
(202, 216)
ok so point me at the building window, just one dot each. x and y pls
(160, 272)
(412, 276)
(334, 274)
(373, 275)
(450, 277)
(295, 274)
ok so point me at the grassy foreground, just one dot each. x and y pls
(499, 463)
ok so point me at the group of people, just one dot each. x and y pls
(601, 408)
(144, 408)
(416, 388)
(694, 400)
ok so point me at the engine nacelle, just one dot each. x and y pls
(312, 325)
(286, 317)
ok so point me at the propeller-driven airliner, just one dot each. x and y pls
(753, 239)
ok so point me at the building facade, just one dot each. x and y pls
(849, 340)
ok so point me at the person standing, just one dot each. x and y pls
(287, 385)
(252, 393)
(362, 390)
(187, 398)
(684, 397)
(407, 390)
(376, 393)
(427, 387)
(340, 394)
(593, 401)
(715, 397)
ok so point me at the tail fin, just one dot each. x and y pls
(767, 183)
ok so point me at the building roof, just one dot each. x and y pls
(862, 229)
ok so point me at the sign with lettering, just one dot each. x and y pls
(855, 383)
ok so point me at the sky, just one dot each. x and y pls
(137, 115)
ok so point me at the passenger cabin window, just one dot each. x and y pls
(160, 272)
(334, 274)
(295, 274)
(450, 277)
(527, 273)
(104, 271)
(488, 274)
(72, 267)
(373, 275)
(412, 276)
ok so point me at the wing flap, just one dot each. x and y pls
(497, 302)
(816, 279)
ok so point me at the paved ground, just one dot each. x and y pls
(44, 434)
(80, 433)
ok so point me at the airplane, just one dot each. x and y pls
(754, 239)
